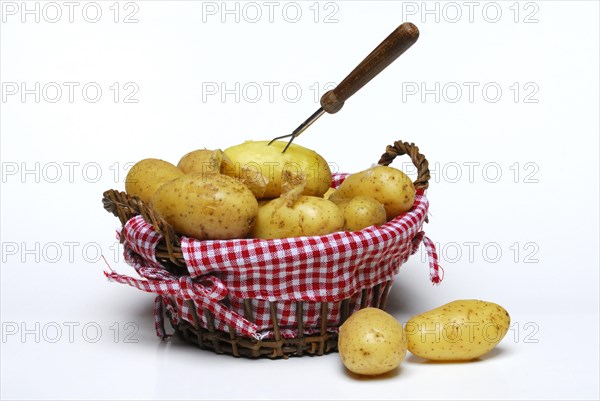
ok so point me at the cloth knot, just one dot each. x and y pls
(214, 291)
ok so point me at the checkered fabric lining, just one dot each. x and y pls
(309, 269)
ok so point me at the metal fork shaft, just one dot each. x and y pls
(309, 121)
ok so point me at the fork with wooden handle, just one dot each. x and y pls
(383, 55)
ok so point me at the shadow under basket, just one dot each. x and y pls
(269, 298)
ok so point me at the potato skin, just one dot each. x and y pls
(458, 331)
(371, 342)
(361, 212)
(327, 194)
(388, 185)
(201, 161)
(268, 161)
(308, 215)
(146, 176)
(207, 206)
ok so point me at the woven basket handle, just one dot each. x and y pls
(125, 207)
(400, 148)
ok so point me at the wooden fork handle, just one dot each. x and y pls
(383, 55)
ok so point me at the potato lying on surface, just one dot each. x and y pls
(257, 158)
(458, 331)
(371, 342)
(146, 176)
(207, 206)
(201, 161)
(388, 185)
(361, 212)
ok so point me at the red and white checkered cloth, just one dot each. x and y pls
(328, 268)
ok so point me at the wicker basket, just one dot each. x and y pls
(201, 328)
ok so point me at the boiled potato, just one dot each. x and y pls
(361, 212)
(371, 342)
(458, 331)
(256, 157)
(388, 185)
(207, 206)
(201, 161)
(308, 215)
(146, 176)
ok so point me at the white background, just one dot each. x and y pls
(514, 192)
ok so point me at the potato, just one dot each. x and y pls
(201, 161)
(388, 185)
(458, 331)
(146, 176)
(294, 214)
(215, 161)
(207, 206)
(371, 342)
(309, 215)
(252, 178)
(257, 158)
(361, 212)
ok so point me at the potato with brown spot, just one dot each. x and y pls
(146, 176)
(309, 215)
(362, 212)
(387, 185)
(207, 206)
(296, 215)
(458, 331)
(201, 161)
(371, 342)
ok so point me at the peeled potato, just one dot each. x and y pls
(258, 159)
(361, 212)
(458, 331)
(388, 185)
(371, 342)
(146, 176)
(207, 206)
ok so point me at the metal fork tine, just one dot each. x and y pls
(300, 129)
